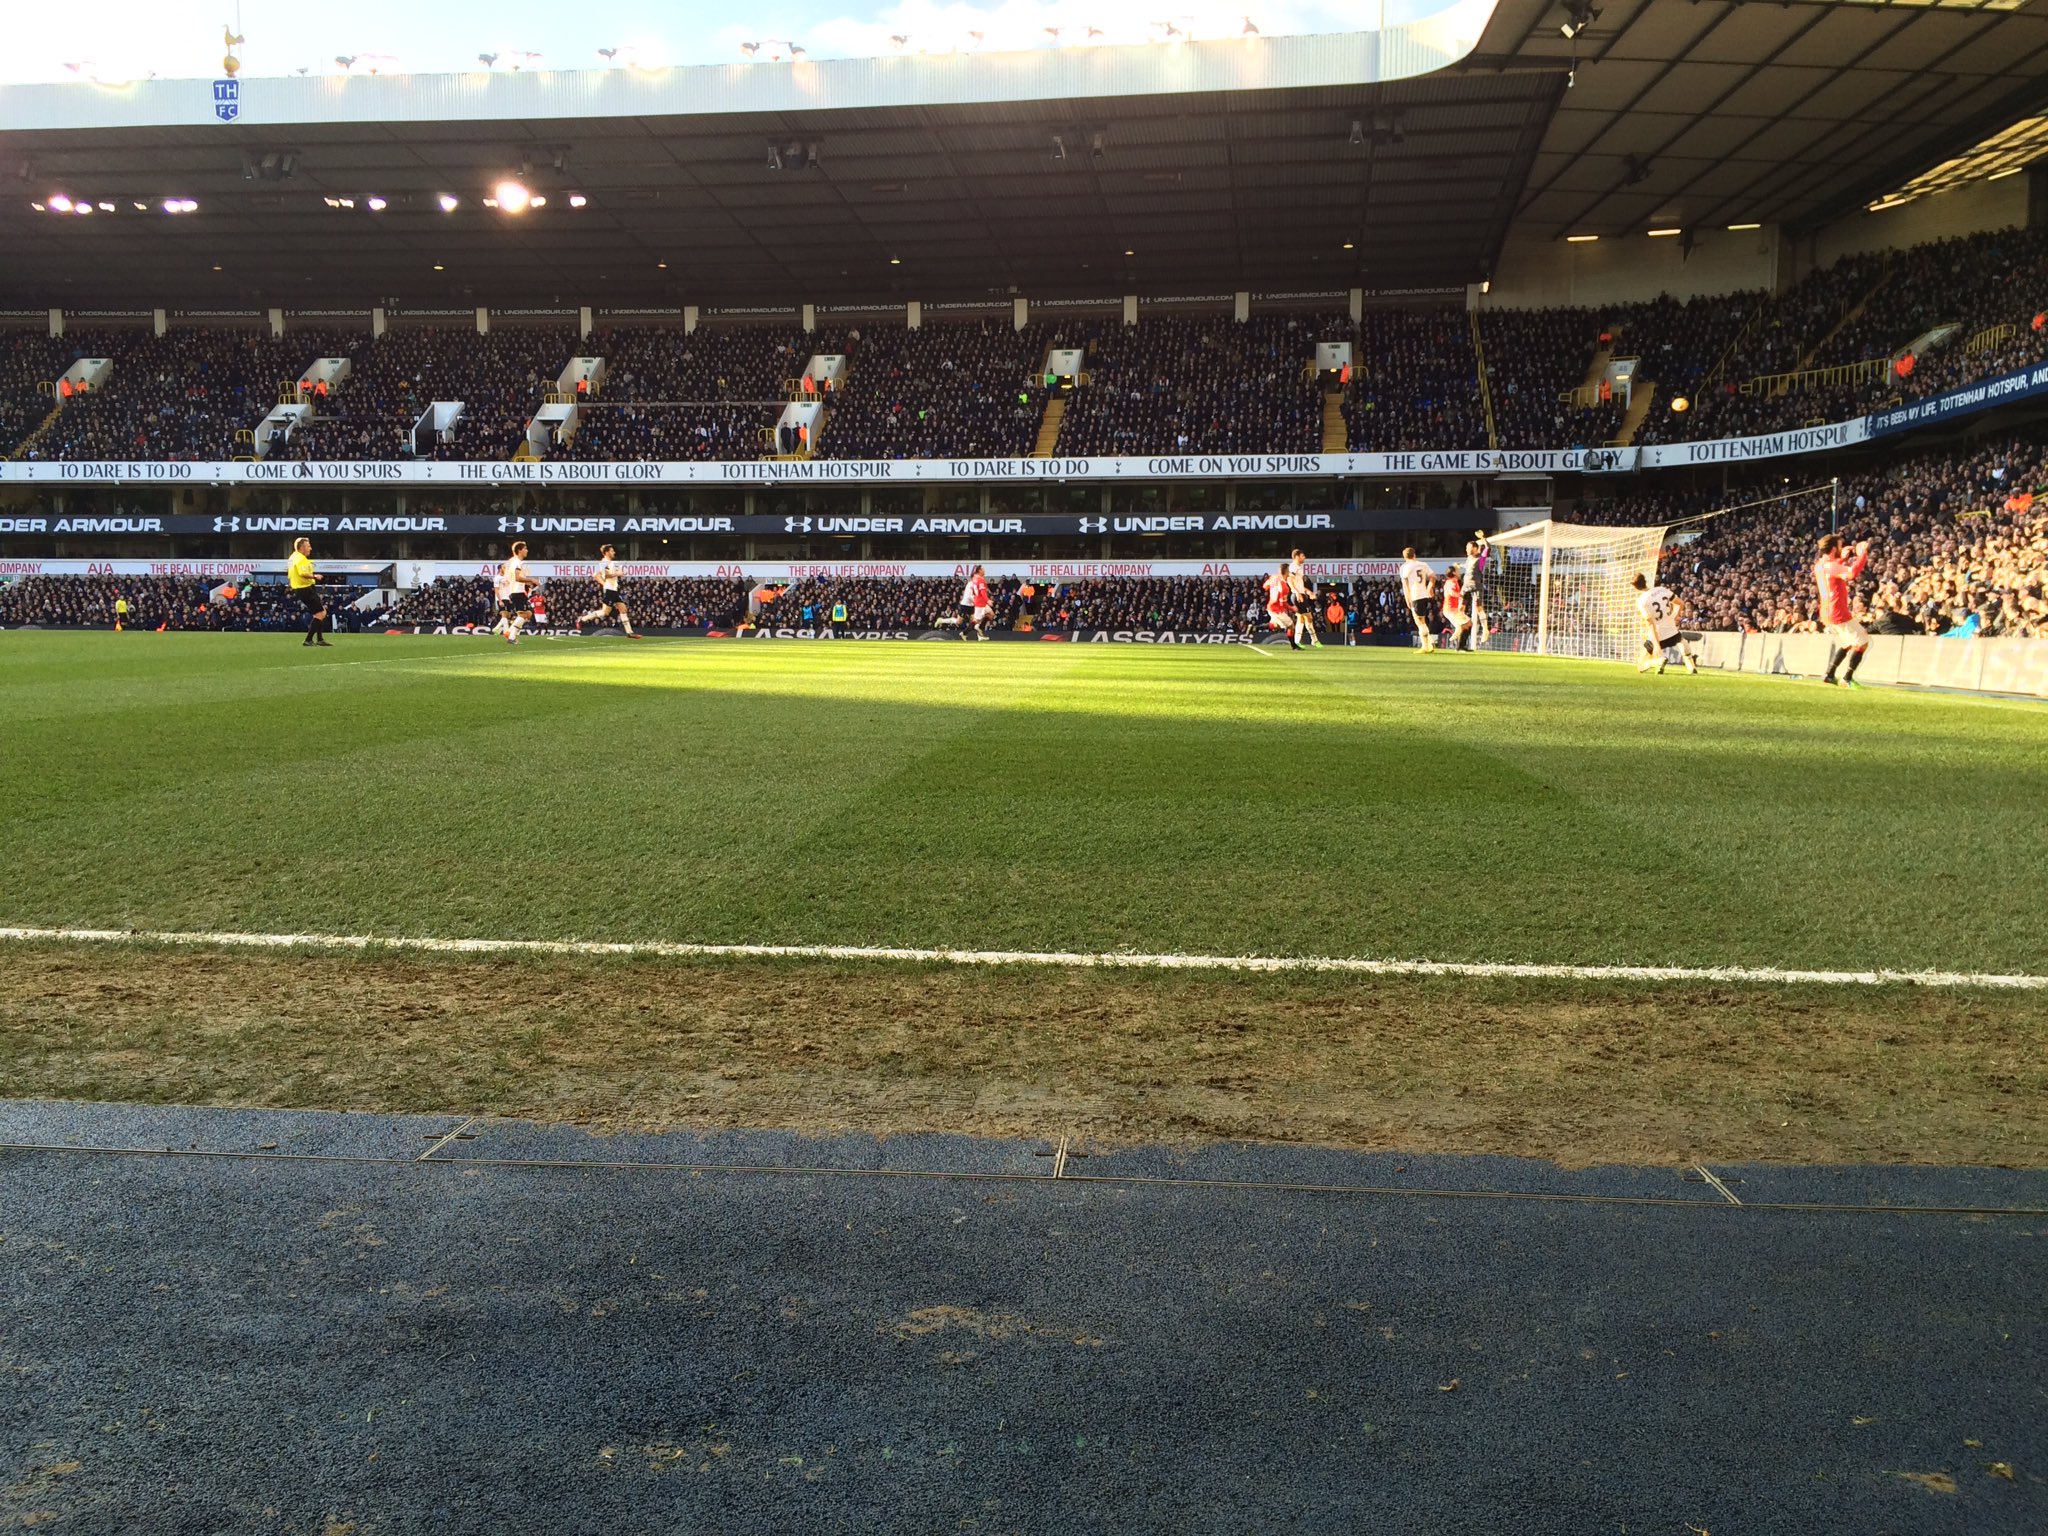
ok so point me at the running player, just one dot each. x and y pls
(1455, 613)
(1302, 598)
(513, 583)
(1280, 605)
(975, 605)
(1663, 641)
(1418, 584)
(609, 600)
(1834, 575)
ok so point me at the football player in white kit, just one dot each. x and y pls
(1303, 599)
(608, 599)
(512, 585)
(1663, 641)
(1418, 584)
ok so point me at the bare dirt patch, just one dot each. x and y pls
(1573, 1072)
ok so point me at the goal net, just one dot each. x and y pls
(1563, 589)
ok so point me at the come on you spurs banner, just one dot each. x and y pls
(548, 472)
(1986, 394)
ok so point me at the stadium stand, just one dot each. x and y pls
(1746, 363)
(185, 395)
(942, 391)
(1414, 384)
(1535, 358)
(1208, 385)
(1959, 540)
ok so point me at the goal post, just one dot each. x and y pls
(1566, 589)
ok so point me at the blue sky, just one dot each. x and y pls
(117, 40)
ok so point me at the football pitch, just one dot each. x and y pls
(1212, 801)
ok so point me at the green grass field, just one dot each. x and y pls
(1220, 801)
(1368, 803)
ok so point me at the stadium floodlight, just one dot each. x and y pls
(58, 202)
(81, 208)
(37, 206)
(1580, 239)
(537, 201)
(511, 197)
(449, 202)
(577, 199)
(376, 205)
(1658, 234)
(1744, 226)
(1579, 15)
(1680, 405)
(106, 207)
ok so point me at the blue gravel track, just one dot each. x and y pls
(346, 1325)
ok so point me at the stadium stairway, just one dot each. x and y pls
(1049, 428)
(1336, 435)
(42, 429)
(1849, 317)
(1597, 370)
(1640, 399)
(1485, 389)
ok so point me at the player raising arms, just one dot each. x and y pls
(1663, 641)
(513, 583)
(1303, 600)
(1280, 605)
(1478, 556)
(1418, 584)
(1833, 575)
(609, 601)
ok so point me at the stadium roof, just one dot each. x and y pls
(1688, 112)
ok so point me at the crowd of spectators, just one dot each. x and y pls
(185, 395)
(612, 433)
(645, 365)
(1183, 604)
(963, 390)
(1535, 358)
(159, 602)
(1414, 383)
(505, 378)
(654, 602)
(1207, 385)
(1171, 384)
(31, 361)
(1959, 540)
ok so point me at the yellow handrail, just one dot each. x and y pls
(1775, 384)
(1991, 336)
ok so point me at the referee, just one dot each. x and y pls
(304, 581)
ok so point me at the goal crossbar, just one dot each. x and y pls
(1566, 589)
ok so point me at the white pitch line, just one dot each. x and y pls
(1106, 960)
(1708, 1174)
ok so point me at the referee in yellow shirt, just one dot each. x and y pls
(305, 584)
